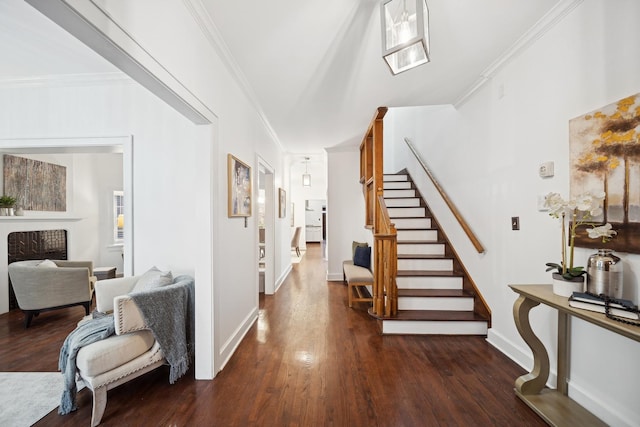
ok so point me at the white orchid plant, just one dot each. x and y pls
(581, 209)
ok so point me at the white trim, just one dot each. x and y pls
(282, 277)
(74, 80)
(202, 17)
(546, 23)
(93, 25)
(229, 347)
(270, 226)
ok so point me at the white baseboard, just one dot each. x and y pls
(521, 355)
(229, 347)
(282, 278)
(600, 406)
(335, 277)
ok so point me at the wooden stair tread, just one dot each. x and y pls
(435, 293)
(433, 315)
(429, 273)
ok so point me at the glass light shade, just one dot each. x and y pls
(306, 180)
(120, 221)
(405, 34)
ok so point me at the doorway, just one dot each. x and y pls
(266, 225)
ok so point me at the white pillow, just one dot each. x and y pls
(153, 278)
(47, 263)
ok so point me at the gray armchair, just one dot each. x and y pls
(50, 285)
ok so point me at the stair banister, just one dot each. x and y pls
(385, 298)
(384, 256)
(474, 239)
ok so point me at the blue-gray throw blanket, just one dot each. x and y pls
(168, 311)
(89, 332)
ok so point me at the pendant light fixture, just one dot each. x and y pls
(405, 34)
(306, 178)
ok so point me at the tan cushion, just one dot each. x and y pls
(105, 355)
(357, 274)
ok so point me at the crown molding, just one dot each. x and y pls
(544, 25)
(213, 35)
(58, 80)
(93, 25)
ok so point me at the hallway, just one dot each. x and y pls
(311, 361)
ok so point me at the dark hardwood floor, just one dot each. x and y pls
(308, 361)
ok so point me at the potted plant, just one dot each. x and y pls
(582, 209)
(6, 205)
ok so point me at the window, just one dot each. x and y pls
(118, 216)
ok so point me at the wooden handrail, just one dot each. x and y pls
(385, 297)
(474, 240)
(385, 253)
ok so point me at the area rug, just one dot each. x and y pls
(26, 397)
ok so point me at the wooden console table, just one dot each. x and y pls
(555, 406)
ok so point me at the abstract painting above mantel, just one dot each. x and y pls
(38, 186)
(605, 156)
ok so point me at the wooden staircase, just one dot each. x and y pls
(435, 294)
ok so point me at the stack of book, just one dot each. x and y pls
(619, 307)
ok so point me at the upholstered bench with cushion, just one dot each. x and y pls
(357, 274)
(358, 280)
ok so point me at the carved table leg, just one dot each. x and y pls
(534, 381)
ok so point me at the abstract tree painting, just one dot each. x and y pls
(605, 156)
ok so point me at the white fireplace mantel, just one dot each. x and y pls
(16, 218)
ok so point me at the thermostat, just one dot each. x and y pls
(546, 170)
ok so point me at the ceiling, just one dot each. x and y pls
(314, 66)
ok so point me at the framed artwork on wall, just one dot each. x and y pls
(282, 204)
(604, 147)
(239, 188)
(37, 186)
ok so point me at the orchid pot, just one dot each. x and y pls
(581, 210)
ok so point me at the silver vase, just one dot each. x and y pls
(604, 274)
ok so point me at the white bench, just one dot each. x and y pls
(358, 280)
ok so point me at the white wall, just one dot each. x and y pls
(188, 68)
(486, 156)
(104, 173)
(345, 209)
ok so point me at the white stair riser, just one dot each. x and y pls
(427, 327)
(399, 193)
(406, 212)
(389, 178)
(396, 185)
(440, 303)
(412, 222)
(428, 235)
(419, 282)
(402, 202)
(421, 249)
(425, 264)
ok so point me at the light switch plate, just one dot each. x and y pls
(515, 223)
